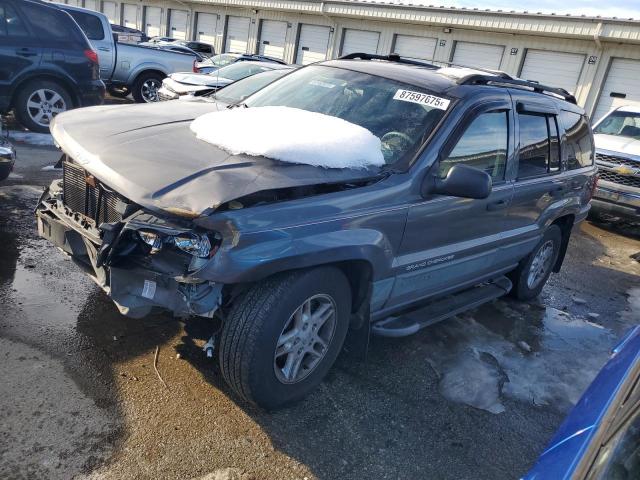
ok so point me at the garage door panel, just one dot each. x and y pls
(206, 28)
(152, 21)
(363, 41)
(622, 81)
(555, 69)
(92, 5)
(273, 37)
(237, 39)
(415, 47)
(130, 15)
(313, 44)
(480, 55)
(178, 20)
(110, 10)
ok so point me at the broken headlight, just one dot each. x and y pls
(195, 244)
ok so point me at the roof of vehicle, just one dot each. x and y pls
(445, 78)
(629, 108)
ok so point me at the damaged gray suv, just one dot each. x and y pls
(484, 178)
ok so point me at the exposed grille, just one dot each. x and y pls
(614, 160)
(80, 195)
(627, 180)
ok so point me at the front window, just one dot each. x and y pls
(621, 124)
(403, 116)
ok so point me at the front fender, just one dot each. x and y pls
(272, 252)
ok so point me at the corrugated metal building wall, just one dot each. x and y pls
(597, 59)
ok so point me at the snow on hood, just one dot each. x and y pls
(615, 143)
(291, 135)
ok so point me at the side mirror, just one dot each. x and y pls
(461, 181)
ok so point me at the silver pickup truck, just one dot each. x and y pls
(127, 68)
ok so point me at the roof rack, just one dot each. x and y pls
(515, 82)
(392, 57)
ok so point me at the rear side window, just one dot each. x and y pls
(579, 141)
(539, 146)
(483, 145)
(90, 24)
(53, 24)
(10, 23)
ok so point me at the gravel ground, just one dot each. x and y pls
(80, 397)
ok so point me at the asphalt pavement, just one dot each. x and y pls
(474, 397)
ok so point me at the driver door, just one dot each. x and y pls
(453, 242)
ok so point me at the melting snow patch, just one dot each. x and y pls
(31, 138)
(290, 135)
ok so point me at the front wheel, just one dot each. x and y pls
(282, 336)
(534, 271)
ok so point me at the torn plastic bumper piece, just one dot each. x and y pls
(136, 291)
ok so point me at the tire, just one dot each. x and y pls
(119, 92)
(52, 99)
(141, 87)
(523, 287)
(265, 315)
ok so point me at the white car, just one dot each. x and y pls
(617, 139)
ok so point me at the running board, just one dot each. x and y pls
(438, 310)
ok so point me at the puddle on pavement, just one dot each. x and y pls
(527, 352)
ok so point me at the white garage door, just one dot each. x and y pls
(312, 44)
(478, 55)
(152, 21)
(130, 15)
(555, 69)
(273, 36)
(415, 47)
(178, 20)
(621, 87)
(237, 35)
(111, 11)
(92, 5)
(359, 41)
(206, 28)
(75, 3)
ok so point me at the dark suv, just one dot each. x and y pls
(47, 65)
(483, 178)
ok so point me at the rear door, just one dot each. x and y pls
(540, 187)
(19, 49)
(452, 242)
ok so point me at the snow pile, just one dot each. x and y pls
(290, 135)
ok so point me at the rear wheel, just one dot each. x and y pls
(145, 88)
(534, 271)
(283, 335)
(38, 102)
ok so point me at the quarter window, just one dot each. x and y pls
(539, 146)
(483, 145)
(579, 140)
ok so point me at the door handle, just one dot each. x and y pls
(104, 49)
(497, 205)
(26, 52)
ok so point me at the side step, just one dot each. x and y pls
(441, 309)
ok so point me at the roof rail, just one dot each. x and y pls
(392, 57)
(515, 82)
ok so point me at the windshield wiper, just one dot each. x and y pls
(236, 105)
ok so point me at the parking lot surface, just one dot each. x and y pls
(474, 397)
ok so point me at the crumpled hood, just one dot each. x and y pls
(199, 79)
(615, 143)
(148, 154)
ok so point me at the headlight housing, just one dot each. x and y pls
(196, 244)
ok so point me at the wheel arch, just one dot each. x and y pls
(565, 223)
(64, 82)
(135, 76)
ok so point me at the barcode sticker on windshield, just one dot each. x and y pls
(422, 99)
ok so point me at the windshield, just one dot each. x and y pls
(238, 91)
(239, 70)
(621, 124)
(401, 115)
(221, 60)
